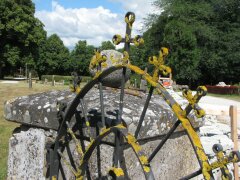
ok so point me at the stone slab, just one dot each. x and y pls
(40, 110)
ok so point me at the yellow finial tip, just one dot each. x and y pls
(164, 51)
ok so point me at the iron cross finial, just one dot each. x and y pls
(138, 40)
(158, 62)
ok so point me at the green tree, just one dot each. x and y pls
(53, 58)
(106, 45)
(80, 58)
(20, 33)
(138, 56)
(203, 37)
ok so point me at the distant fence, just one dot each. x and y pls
(223, 89)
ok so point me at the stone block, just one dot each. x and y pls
(112, 80)
(26, 155)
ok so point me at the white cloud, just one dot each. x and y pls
(94, 24)
(141, 8)
(72, 25)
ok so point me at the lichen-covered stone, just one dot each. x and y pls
(41, 110)
(112, 80)
(26, 159)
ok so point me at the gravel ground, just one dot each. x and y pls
(9, 82)
(220, 107)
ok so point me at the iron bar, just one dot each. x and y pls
(198, 172)
(101, 142)
(85, 117)
(102, 104)
(98, 156)
(160, 137)
(144, 111)
(70, 156)
(119, 119)
(122, 159)
(163, 141)
(67, 163)
(84, 150)
(127, 49)
(116, 150)
(101, 98)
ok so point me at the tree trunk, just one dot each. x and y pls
(1, 72)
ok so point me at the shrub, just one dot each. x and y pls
(223, 89)
(86, 78)
(67, 79)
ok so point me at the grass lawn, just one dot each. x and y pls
(234, 97)
(7, 92)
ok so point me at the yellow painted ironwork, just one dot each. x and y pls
(68, 165)
(127, 38)
(201, 90)
(125, 58)
(199, 113)
(79, 149)
(76, 89)
(117, 39)
(193, 100)
(129, 19)
(97, 60)
(158, 62)
(137, 148)
(114, 61)
(138, 41)
(117, 171)
(79, 178)
(131, 140)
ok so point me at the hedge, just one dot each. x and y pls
(59, 78)
(223, 89)
(137, 77)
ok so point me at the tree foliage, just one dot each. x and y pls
(20, 33)
(203, 37)
(106, 45)
(80, 57)
(53, 57)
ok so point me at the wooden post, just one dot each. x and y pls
(53, 81)
(30, 80)
(26, 73)
(233, 116)
(135, 83)
(170, 79)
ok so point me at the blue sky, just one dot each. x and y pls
(91, 20)
(47, 5)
